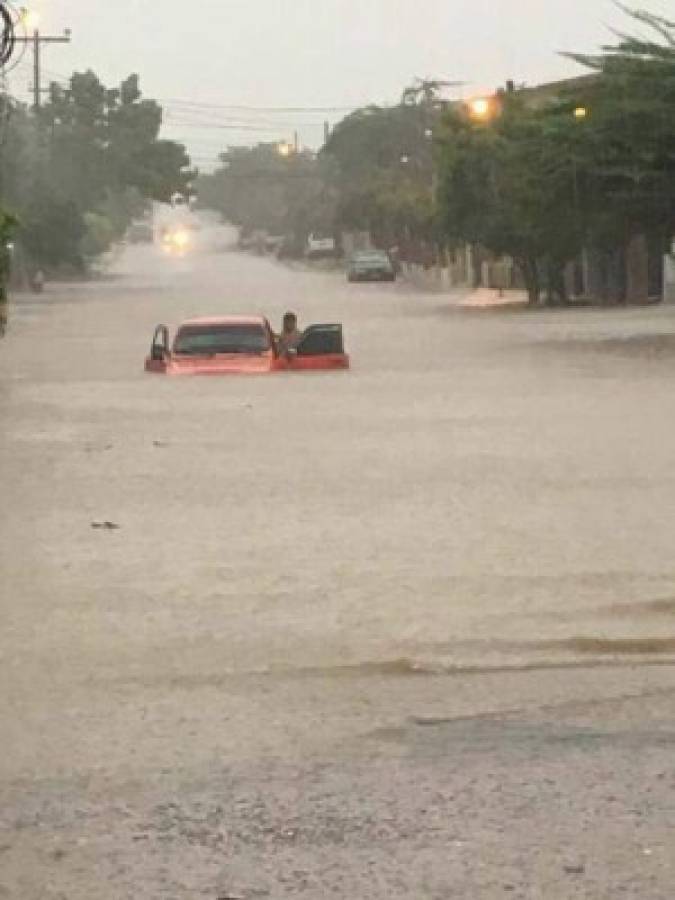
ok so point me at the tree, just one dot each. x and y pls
(90, 154)
(52, 228)
(425, 91)
(511, 185)
(629, 135)
(261, 188)
(383, 172)
(104, 139)
(593, 167)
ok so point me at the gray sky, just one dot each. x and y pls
(311, 53)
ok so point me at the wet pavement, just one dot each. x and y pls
(406, 631)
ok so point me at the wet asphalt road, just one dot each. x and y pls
(400, 632)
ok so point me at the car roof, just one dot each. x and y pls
(226, 320)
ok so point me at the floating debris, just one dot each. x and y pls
(574, 870)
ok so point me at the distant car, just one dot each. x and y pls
(176, 241)
(321, 247)
(242, 345)
(371, 265)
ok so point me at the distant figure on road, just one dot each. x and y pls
(290, 335)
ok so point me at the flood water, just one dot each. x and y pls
(485, 492)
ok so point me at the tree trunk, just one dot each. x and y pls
(637, 270)
(530, 272)
(556, 289)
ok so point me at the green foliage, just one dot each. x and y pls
(375, 173)
(100, 232)
(258, 188)
(91, 155)
(512, 186)
(51, 228)
(383, 165)
(628, 141)
(538, 182)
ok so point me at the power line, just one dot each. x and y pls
(264, 109)
(198, 116)
(240, 126)
(217, 127)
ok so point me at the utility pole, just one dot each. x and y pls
(37, 40)
(37, 87)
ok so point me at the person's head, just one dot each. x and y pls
(290, 322)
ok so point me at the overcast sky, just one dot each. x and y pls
(311, 53)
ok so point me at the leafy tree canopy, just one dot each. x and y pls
(91, 152)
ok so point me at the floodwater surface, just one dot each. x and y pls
(301, 558)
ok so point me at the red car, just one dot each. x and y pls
(237, 344)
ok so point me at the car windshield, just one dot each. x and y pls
(371, 256)
(211, 339)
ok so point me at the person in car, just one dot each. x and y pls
(290, 335)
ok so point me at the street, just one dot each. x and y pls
(399, 632)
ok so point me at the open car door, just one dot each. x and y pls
(159, 351)
(321, 347)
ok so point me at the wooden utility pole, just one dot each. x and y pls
(37, 40)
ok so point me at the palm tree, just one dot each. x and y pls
(425, 91)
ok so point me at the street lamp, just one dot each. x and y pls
(30, 19)
(481, 109)
(284, 149)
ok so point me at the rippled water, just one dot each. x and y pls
(482, 490)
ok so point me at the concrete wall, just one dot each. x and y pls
(452, 273)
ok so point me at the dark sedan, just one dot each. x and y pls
(371, 265)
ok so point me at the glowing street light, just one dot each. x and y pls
(480, 108)
(284, 149)
(30, 19)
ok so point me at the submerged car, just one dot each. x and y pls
(371, 265)
(237, 344)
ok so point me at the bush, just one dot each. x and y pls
(100, 233)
